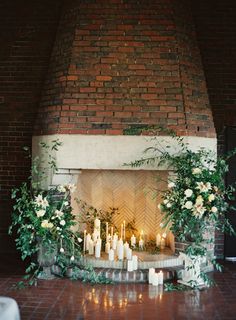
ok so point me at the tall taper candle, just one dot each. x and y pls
(84, 241)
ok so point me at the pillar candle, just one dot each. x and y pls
(130, 266)
(111, 255)
(121, 231)
(84, 240)
(98, 249)
(112, 230)
(114, 244)
(160, 277)
(91, 247)
(133, 241)
(107, 247)
(135, 262)
(126, 247)
(115, 237)
(97, 227)
(155, 279)
(88, 238)
(151, 272)
(158, 240)
(129, 254)
(141, 243)
(120, 250)
(163, 243)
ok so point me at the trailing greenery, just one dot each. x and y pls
(197, 199)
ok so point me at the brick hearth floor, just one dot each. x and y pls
(65, 299)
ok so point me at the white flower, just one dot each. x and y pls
(199, 209)
(203, 187)
(211, 197)
(58, 228)
(61, 188)
(59, 213)
(171, 185)
(214, 209)
(70, 187)
(72, 258)
(164, 235)
(199, 200)
(161, 225)
(188, 193)
(196, 171)
(165, 201)
(168, 205)
(40, 213)
(50, 225)
(80, 240)
(62, 250)
(66, 203)
(62, 222)
(40, 201)
(188, 205)
(215, 188)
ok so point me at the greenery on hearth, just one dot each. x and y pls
(42, 220)
(197, 199)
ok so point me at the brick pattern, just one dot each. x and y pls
(216, 33)
(119, 64)
(26, 33)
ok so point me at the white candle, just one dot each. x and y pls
(111, 255)
(84, 240)
(135, 262)
(126, 247)
(107, 247)
(129, 254)
(124, 229)
(130, 266)
(158, 240)
(121, 231)
(133, 241)
(97, 228)
(155, 279)
(141, 244)
(114, 243)
(91, 247)
(141, 234)
(88, 238)
(163, 243)
(151, 272)
(98, 249)
(112, 230)
(160, 277)
(120, 250)
(115, 237)
(106, 231)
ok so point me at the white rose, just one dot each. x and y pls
(40, 213)
(171, 185)
(188, 193)
(196, 171)
(214, 209)
(62, 250)
(188, 205)
(72, 258)
(66, 203)
(80, 240)
(199, 200)
(165, 201)
(44, 224)
(62, 222)
(168, 205)
(211, 197)
(59, 213)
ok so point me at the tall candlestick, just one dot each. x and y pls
(84, 241)
(133, 241)
(88, 238)
(91, 247)
(126, 247)
(112, 230)
(106, 231)
(124, 229)
(98, 249)
(120, 250)
(121, 231)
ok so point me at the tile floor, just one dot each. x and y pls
(65, 299)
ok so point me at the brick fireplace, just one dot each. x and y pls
(117, 65)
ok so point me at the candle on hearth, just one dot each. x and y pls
(124, 229)
(120, 250)
(88, 238)
(115, 237)
(97, 229)
(114, 243)
(158, 240)
(129, 254)
(133, 241)
(141, 244)
(126, 247)
(112, 230)
(91, 247)
(111, 255)
(155, 279)
(135, 262)
(141, 234)
(107, 247)
(151, 272)
(106, 231)
(121, 231)
(130, 266)
(84, 240)
(163, 243)
(160, 277)
(98, 248)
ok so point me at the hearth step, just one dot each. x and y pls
(138, 276)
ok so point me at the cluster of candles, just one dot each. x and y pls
(155, 278)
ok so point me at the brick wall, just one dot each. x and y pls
(216, 32)
(119, 64)
(27, 32)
